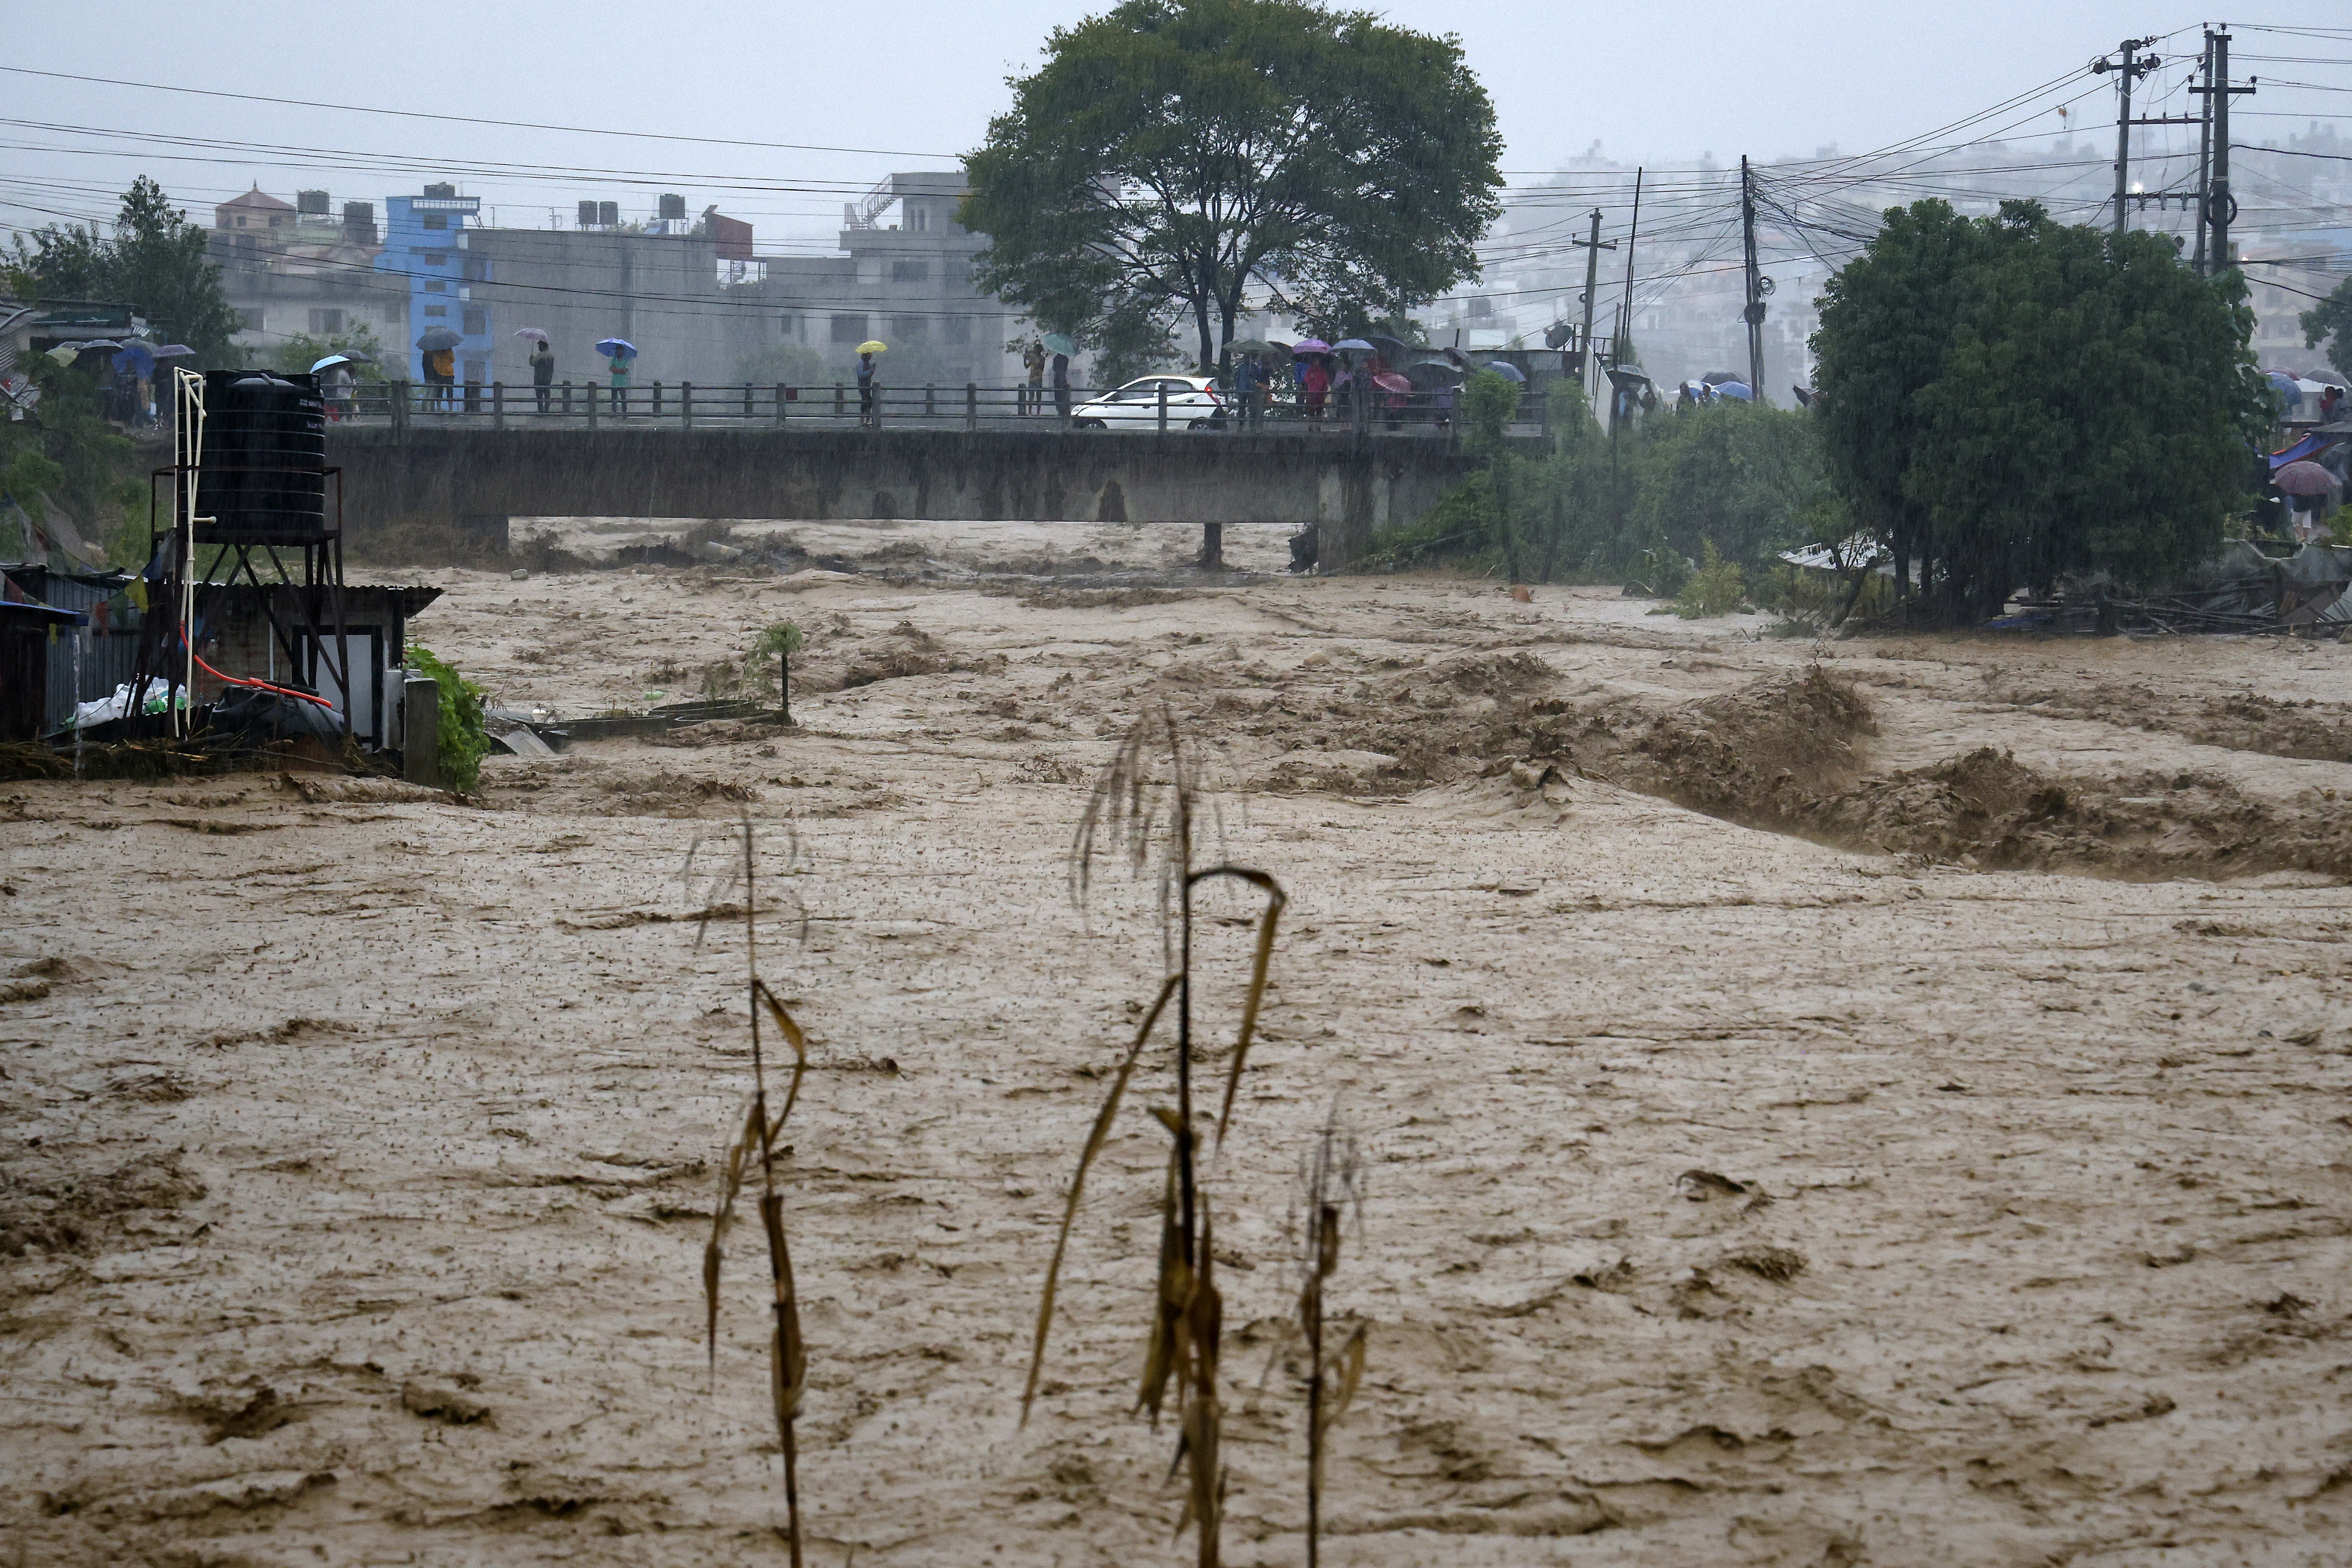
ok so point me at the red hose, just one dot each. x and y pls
(256, 685)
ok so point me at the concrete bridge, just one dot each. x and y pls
(472, 478)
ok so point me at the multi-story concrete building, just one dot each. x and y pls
(427, 244)
(291, 269)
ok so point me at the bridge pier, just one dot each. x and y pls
(1213, 544)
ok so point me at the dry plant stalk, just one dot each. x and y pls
(1144, 805)
(789, 1354)
(1331, 1186)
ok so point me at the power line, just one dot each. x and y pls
(478, 119)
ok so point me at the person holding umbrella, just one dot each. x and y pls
(619, 352)
(869, 409)
(438, 345)
(542, 366)
(1032, 391)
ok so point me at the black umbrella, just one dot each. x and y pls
(1717, 377)
(435, 339)
(1431, 372)
(1393, 350)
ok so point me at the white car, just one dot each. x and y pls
(1192, 405)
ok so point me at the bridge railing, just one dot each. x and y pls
(842, 404)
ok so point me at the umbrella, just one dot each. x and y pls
(139, 358)
(1507, 369)
(1738, 389)
(1717, 377)
(136, 341)
(1059, 343)
(330, 361)
(617, 348)
(2303, 478)
(65, 353)
(1353, 346)
(1393, 350)
(1434, 373)
(1388, 381)
(873, 346)
(433, 340)
(97, 343)
(1252, 346)
(175, 351)
(539, 333)
(1310, 346)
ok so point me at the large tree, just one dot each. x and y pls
(1174, 157)
(2330, 321)
(2004, 400)
(154, 261)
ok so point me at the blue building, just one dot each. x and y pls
(424, 237)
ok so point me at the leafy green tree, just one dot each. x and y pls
(2330, 321)
(66, 456)
(154, 261)
(1740, 476)
(2008, 399)
(301, 351)
(1172, 154)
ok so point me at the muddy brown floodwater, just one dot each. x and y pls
(1880, 1102)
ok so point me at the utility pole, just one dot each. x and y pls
(2221, 206)
(2131, 70)
(1593, 249)
(1625, 308)
(2205, 160)
(1754, 313)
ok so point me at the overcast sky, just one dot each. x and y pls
(916, 82)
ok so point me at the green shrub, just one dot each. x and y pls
(464, 742)
(1716, 588)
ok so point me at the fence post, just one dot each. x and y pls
(780, 405)
(686, 406)
(971, 406)
(567, 400)
(596, 395)
(1163, 408)
(657, 414)
(836, 400)
(399, 406)
(930, 400)
(497, 405)
(747, 403)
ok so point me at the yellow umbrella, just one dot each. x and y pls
(872, 346)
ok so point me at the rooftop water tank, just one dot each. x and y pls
(265, 455)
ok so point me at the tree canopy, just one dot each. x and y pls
(154, 261)
(2330, 321)
(1171, 156)
(2007, 399)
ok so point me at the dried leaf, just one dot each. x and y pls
(1095, 1139)
(1346, 1368)
(1275, 900)
(730, 1184)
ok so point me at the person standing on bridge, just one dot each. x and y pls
(542, 372)
(619, 368)
(1032, 392)
(867, 415)
(1061, 386)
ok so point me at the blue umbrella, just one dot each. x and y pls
(138, 359)
(617, 348)
(2288, 387)
(330, 361)
(1738, 389)
(1507, 369)
(1353, 345)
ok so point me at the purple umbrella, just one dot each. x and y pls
(1310, 346)
(175, 351)
(2304, 478)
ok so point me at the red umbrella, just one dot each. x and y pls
(1390, 381)
(2303, 478)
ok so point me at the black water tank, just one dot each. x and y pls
(673, 207)
(264, 460)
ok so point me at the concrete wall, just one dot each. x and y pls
(476, 480)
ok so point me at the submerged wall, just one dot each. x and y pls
(477, 478)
